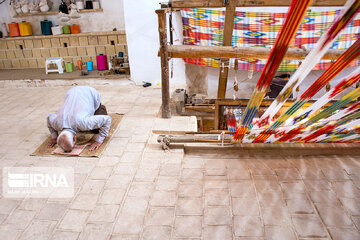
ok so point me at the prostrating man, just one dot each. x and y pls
(82, 111)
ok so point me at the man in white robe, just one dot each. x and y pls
(81, 111)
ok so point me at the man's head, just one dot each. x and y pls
(66, 140)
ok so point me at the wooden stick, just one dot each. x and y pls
(165, 86)
(248, 3)
(191, 51)
(165, 132)
(211, 141)
(194, 138)
(227, 38)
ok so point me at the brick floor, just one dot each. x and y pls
(135, 190)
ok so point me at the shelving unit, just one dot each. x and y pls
(32, 51)
(56, 12)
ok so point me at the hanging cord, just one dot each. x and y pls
(222, 138)
(251, 71)
(172, 29)
(172, 69)
(241, 81)
(1, 2)
(236, 85)
(236, 82)
(236, 68)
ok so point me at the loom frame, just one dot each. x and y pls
(225, 52)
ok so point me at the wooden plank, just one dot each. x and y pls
(209, 108)
(165, 85)
(195, 138)
(227, 38)
(249, 3)
(164, 132)
(191, 51)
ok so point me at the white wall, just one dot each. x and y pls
(143, 42)
(111, 17)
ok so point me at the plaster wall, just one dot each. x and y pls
(143, 43)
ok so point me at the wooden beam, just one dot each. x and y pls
(165, 85)
(227, 38)
(248, 3)
(194, 138)
(191, 51)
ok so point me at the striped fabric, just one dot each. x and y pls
(259, 29)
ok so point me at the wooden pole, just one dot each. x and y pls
(194, 138)
(165, 85)
(192, 51)
(248, 3)
(227, 38)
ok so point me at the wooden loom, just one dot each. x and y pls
(224, 52)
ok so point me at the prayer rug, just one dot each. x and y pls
(83, 138)
(76, 151)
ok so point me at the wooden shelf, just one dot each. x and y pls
(82, 34)
(56, 12)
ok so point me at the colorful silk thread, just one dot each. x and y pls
(295, 15)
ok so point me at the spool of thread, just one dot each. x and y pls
(14, 29)
(121, 54)
(75, 29)
(66, 29)
(69, 67)
(101, 61)
(25, 29)
(89, 66)
(96, 5)
(57, 30)
(46, 27)
(89, 4)
(79, 64)
(80, 5)
(4, 30)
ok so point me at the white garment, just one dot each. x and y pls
(77, 114)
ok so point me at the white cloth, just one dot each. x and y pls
(77, 114)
